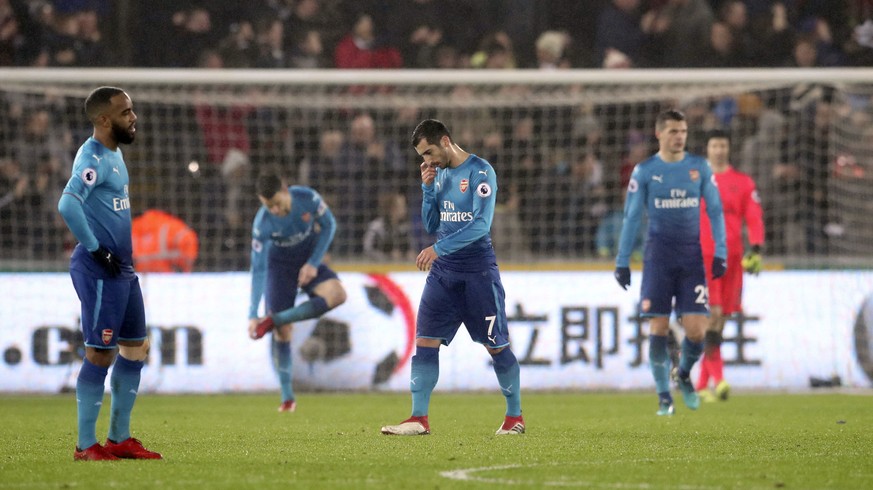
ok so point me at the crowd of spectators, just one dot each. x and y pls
(544, 34)
(562, 168)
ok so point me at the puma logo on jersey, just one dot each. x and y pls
(115, 169)
(484, 172)
(97, 158)
(658, 178)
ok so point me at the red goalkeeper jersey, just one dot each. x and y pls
(740, 202)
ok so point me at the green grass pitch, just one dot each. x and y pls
(574, 440)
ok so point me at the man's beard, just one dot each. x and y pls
(122, 135)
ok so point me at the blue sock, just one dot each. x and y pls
(690, 354)
(508, 375)
(423, 378)
(89, 397)
(282, 365)
(124, 383)
(315, 307)
(659, 361)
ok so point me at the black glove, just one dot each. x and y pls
(622, 275)
(719, 267)
(108, 260)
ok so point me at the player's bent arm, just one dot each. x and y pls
(754, 217)
(259, 276)
(430, 213)
(260, 249)
(484, 202)
(633, 217)
(325, 237)
(466, 235)
(716, 216)
(73, 213)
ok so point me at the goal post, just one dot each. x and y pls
(562, 144)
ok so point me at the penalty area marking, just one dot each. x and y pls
(469, 475)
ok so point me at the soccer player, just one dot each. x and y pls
(290, 235)
(464, 283)
(669, 186)
(96, 207)
(739, 202)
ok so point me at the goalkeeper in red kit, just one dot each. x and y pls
(740, 203)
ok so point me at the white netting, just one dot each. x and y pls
(562, 143)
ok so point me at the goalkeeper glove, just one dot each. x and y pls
(752, 262)
(719, 267)
(622, 275)
(108, 260)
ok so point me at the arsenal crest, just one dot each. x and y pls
(464, 184)
(694, 174)
(107, 336)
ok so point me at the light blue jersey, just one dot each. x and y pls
(459, 207)
(289, 241)
(96, 205)
(671, 193)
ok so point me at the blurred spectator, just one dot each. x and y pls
(163, 243)
(308, 53)
(678, 32)
(271, 45)
(363, 155)
(805, 53)
(733, 15)
(618, 32)
(389, 237)
(523, 176)
(417, 27)
(819, 32)
(772, 36)
(447, 57)
(723, 50)
(495, 52)
(578, 199)
(238, 49)
(210, 59)
(859, 50)
(225, 135)
(13, 210)
(12, 39)
(551, 47)
(307, 16)
(43, 152)
(192, 29)
(362, 48)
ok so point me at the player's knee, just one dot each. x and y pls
(284, 332)
(135, 351)
(425, 342)
(339, 296)
(494, 351)
(333, 293)
(100, 357)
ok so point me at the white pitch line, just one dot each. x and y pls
(468, 474)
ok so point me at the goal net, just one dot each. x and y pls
(562, 143)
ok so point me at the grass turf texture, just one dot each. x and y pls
(333, 441)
